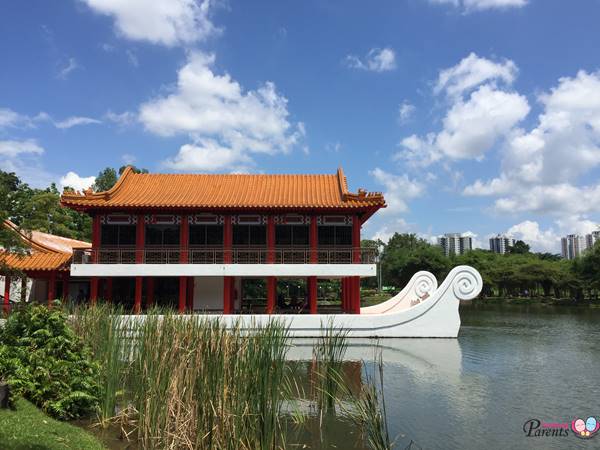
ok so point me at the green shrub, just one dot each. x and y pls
(45, 362)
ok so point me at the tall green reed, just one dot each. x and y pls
(328, 357)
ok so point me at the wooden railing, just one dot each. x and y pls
(218, 255)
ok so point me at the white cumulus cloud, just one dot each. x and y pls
(73, 180)
(165, 22)
(482, 112)
(215, 109)
(208, 156)
(399, 189)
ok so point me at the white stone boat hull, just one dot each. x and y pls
(420, 310)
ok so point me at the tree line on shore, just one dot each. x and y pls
(518, 273)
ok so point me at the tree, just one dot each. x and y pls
(520, 247)
(406, 254)
(106, 179)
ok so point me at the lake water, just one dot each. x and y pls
(509, 364)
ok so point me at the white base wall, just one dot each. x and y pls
(215, 270)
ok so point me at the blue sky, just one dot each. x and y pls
(478, 116)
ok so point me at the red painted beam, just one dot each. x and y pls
(65, 285)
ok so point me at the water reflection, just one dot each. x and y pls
(508, 365)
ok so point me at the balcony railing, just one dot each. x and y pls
(210, 255)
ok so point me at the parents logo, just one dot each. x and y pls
(583, 429)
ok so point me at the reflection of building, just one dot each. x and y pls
(455, 243)
(45, 266)
(192, 239)
(573, 245)
(501, 243)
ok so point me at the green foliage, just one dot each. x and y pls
(518, 273)
(406, 254)
(45, 362)
(37, 209)
(520, 248)
(105, 180)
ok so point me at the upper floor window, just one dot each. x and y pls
(340, 235)
(162, 234)
(206, 234)
(296, 235)
(117, 235)
(250, 235)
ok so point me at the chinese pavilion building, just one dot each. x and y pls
(43, 266)
(195, 238)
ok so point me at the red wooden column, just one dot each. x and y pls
(271, 294)
(52, 287)
(271, 239)
(96, 233)
(313, 236)
(150, 291)
(227, 259)
(65, 285)
(227, 240)
(312, 294)
(140, 244)
(343, 293)
(184, 244)
(6, 293)
(182, 294)
(227, 294)
(356, 239)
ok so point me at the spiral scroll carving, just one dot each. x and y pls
(467, 283)
(425, 285)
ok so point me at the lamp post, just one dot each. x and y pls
(379, 274)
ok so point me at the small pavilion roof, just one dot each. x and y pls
(45, 251)
(226, 191)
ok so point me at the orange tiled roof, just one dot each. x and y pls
(46, 251)
(226, 191)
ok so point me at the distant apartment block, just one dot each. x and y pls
(455, 243)
(592, 238)
(573, 245)
(501, 243)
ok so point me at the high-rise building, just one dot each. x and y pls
(501, 243)
(592, 238)
(455, 243)
(573, 245)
